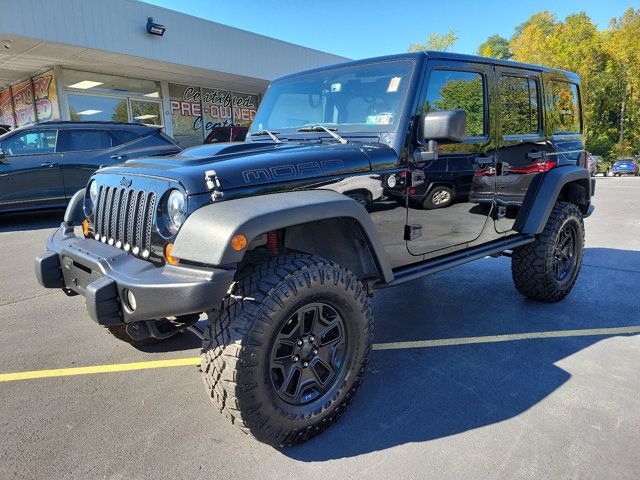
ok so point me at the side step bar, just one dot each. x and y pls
(429, 267)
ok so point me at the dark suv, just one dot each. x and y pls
(43, 165)
(272, 240)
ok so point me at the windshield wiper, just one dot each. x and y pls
(267, 132)
(322, 128)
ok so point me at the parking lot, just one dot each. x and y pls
(468, 380)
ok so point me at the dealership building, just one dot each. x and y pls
(125, 60)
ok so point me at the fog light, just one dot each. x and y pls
(131, 300)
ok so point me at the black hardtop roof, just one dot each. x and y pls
(89, 124)
(418, 56)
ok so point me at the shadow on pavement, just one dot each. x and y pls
(417, 395)
(21, 222)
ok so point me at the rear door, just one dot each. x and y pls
(30, 172)
(522, 149)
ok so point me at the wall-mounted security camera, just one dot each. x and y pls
(6, 44)
(155, 28)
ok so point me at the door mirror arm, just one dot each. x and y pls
(420, 157)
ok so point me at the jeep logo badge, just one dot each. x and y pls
(126, 182)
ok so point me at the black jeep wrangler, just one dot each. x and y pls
(282, 239)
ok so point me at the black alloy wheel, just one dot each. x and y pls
(308, 354)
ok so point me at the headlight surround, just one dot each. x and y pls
(91, 199)
(176, 210)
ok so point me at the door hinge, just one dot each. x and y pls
(411, 232)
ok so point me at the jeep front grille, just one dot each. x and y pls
(124, 218)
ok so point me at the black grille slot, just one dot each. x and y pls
(124, 218)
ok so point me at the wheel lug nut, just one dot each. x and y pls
(305, 364)
(299, 343)
(296, 358)
(311, 339)
(315, 352)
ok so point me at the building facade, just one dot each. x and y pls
(96, 60)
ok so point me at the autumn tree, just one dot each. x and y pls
(495, 47)
(436, 41)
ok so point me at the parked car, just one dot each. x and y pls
(227, 134)
(265, 237)
(446, 179)
(43, 165)
(625, 166)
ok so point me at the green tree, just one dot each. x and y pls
(436, 41)
(495, 47)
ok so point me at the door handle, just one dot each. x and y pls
(46, 164)
(119, 156)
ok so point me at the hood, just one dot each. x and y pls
(246, 164)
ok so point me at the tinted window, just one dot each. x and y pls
(123, 136)
(564, 115)
(519, 108)
(79, 140)
(455, 90)
(31, 142)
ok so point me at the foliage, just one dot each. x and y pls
(495, 47)
(436, 41)
(607, 60)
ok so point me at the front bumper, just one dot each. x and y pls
(103, 274)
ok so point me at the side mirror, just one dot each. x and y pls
(448, 126)
(2, 156)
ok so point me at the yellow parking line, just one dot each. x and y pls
(117, 367)
(180, 362)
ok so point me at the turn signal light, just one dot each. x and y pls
(239, 242)
(85, 227)
(167, 254)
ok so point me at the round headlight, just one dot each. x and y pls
(93, 192)
(91, 199)
(176, 210)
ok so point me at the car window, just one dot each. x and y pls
(30, 143)
(79, 140)
(564, 114)
(519, 106)
(123, 136)
(458, 90)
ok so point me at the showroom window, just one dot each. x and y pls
(110, 98)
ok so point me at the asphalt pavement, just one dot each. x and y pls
(465, 383)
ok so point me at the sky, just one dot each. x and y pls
(361, 29)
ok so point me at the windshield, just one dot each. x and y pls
(361, 98)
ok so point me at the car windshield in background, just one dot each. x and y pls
(362, 98)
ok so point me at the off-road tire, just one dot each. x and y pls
(236, 350)
(532, 264)
(429, 203)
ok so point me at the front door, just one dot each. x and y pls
(30, 173)
(442, 215)
(522, 152)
